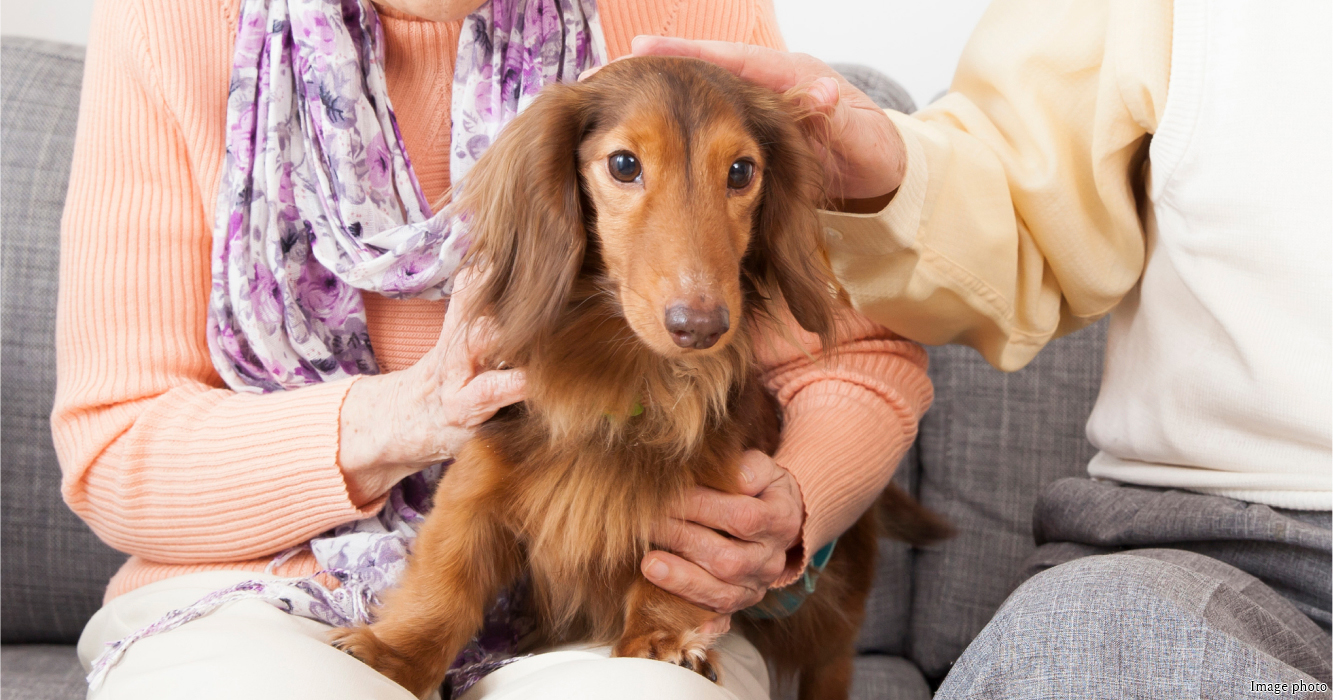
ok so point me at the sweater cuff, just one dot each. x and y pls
(313, 457)
(299, 441)
(841, 442)
(894, 228)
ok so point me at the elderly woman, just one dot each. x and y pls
(215, 416)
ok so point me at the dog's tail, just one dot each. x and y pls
(902, 518)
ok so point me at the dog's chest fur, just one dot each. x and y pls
(586, 479)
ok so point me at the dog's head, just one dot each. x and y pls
(689, 194)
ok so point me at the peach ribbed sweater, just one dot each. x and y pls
(166, 464)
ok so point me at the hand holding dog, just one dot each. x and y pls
(727, 574)
(395, 424)
(865, 159)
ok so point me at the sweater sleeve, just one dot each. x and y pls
(848, 418)
(156, 456)
(765, 31)
(1018, 218)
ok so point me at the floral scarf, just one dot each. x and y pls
(318, 202)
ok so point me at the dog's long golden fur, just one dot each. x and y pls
(580, 261)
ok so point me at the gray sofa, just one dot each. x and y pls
(988, 445)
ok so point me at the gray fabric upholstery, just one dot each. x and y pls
(988, 446)
(887, 678)
(41, 672)
(889, 605)
(54, 568)
(885, 91)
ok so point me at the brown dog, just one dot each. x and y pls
(635, 230)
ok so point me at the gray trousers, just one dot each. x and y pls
(1139, 592)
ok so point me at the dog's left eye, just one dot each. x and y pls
(742, 171)
(624, 166)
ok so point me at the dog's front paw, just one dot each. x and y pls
(688, 650)
(362, 643)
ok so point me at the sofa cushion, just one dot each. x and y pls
(54, 568)
(885, 91)
(987, 446)
(889, 604)
(887, 678)
(41, 672)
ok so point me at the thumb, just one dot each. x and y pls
(719, 625)
(491, 391)
(459, 310)
(463, 297)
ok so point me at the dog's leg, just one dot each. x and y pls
(663, 626)
(830, 681)
(460, 559)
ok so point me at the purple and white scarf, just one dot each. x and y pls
(317, 203)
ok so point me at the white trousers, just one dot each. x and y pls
(250, 649)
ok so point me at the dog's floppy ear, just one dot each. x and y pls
(522, 202)
(788, 242)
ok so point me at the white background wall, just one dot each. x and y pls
(57, 20)
(915, 41)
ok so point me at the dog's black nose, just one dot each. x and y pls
(691, 327)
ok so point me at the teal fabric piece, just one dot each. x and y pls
(784, 602)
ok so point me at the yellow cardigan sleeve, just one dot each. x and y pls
(1018, 219)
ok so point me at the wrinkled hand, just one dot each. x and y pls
(395, 424)
(865, 158)
(729, 573)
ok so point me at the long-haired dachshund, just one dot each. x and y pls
(634, 231)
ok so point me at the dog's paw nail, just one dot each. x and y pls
(710, 674)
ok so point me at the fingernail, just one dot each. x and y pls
(747, 474)
(657, 570)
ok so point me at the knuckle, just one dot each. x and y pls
(750, 522)
(675, 533)
(736, 599)
(716, 599)
(732, 564)
(773, 568)
(789, 528)
(708, 597)
(792, 531)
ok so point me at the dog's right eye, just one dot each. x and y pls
(624, 167)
